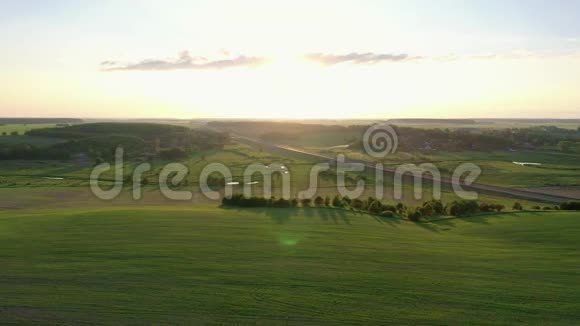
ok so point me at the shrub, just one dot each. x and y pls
(426, 210)
(337, 202)
(570, 206)
(388, 214)
(463, 207)
(536, 207)
(346, 200)
(485, 207)
(318, 201)
(294, 202)
(517, 206)
(282, 203)
(241, 201)
(357, 204)
(439, 207)
(327, 201)
(491, 207)
(390, 208)
(401, 208)
(416, 215)
(306, 202)
(375, 207)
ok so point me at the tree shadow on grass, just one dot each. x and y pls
(326, 214)
(446, 224)
(278, 215)
(335, 215)
(484, 218)
(323, 214)
(480, 218)
(283, 215)
(390, 221)
(428, 226)
(341, 214)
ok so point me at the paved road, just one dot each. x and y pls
(480, 188)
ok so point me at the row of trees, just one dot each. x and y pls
(456, 208)
(412, 139)
(567, 206)
(431, 208)
(570, 206)
(544, 136)
(30, 152)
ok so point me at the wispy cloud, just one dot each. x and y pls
(358, 58)
(185, 61)
(369, 58)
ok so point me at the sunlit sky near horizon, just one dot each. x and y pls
(290, 59)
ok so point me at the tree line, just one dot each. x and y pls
(98, 141)
(431, 208)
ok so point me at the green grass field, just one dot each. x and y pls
(18, 177)
(557, 169)
(22, 128)
(207, 265)
(67, 257)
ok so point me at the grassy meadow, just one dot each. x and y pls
(23, 128)
(207, 265)
(498, 168)
(18, 178)
(70, 258)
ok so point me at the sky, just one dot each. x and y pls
(290, 59)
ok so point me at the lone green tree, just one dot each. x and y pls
(318, 201)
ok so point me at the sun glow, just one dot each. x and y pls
(292, 87)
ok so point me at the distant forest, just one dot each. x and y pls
(417, 139)
(434, 121)
(21, 121)
(98, 141)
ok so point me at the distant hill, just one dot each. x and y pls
(18, 121)
(528, 120)
(434, 121)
